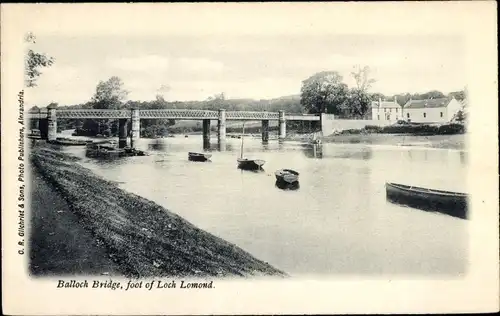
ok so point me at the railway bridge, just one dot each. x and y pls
(47, 119)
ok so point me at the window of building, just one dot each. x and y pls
(425, 114)
(441, 114)
(378, 117)
(408, 115)
(396, 110)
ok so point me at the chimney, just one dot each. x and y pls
(396, 99)
(379, 102)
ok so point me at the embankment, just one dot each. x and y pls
(141, 237)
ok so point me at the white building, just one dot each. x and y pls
(432, 110)
(386, 110)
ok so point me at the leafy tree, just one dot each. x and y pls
(460, 116)
(459, 95)
(357, 103)
(322, 92)
(33, 62)
(376, 96)
(109, 94)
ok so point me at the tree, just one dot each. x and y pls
(357, 103)
(216, 101)
(322, 92)
(361, 76)
(109, 94)
(33, 62)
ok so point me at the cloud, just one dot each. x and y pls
(200, 64)
(141, 63)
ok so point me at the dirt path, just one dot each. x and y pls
(59, 244)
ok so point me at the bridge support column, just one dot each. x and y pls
(122, 133)
(135, 133)
(206, 134)
(221, 129)
(52, 123)
(43, 126)
(265, 131)
(282, 126)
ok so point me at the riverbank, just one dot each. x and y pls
(141, 238)
(457, 141)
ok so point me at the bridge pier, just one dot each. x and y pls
(265, 131)
(135, 133)
(43, 126)
(52, 123)
(221, 129)
(206, 134)
(122, 133)
(282, 126)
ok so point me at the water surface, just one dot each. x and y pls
(337, 222)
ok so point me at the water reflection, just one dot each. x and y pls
(313, 151)
(463, 157)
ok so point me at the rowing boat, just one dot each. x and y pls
(447, 202)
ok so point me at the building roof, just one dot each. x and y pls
(429, 103)
(385, 104)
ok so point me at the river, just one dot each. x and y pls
(337, 222)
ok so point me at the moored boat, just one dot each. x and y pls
(192, 156)
(447, 202)
(287, 175)
(250, 164)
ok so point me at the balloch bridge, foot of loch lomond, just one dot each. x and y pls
(47, 120)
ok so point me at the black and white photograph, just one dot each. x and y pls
(187, 147)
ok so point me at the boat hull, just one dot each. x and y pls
(198, 157)
(450, 203)
(287, 186)
(287, 175)
(250, 164)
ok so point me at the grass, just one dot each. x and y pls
(143, 238)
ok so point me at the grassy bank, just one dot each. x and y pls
(142, 238)
(457, 141)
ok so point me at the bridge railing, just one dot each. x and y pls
(248, 115)
(178, 114)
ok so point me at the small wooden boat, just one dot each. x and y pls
(248, 164)
(451, 203)
(287, 175)
(198, 156)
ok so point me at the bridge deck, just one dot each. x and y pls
(170, 114)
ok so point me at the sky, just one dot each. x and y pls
(260, 66)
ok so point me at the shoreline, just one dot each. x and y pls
(142, 238)
(456, 141)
